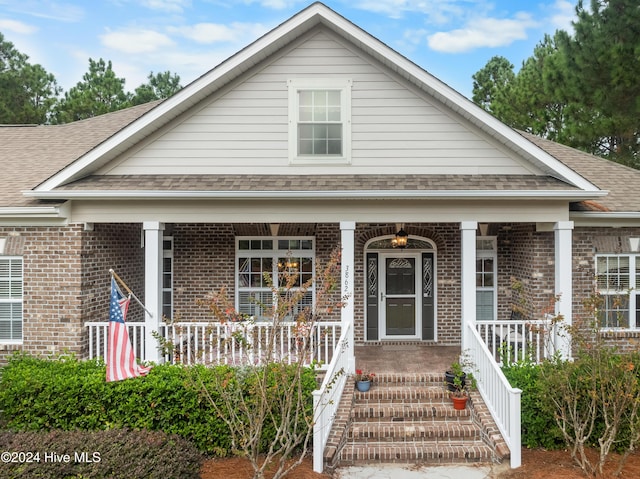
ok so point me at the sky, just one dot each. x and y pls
(451, 39)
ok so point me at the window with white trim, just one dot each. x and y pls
(262, 260)
(11, 294)
(319, 120)
(167, 277)
(486, 275)
(617, 277)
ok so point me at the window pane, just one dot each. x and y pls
(484, 305)
(615, 311)
(613, 273)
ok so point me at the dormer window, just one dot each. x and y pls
(319, 121)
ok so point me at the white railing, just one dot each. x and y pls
(230, 343)
(246, 342)
(327, 399)
(502, 400)
(512, 341)
(99, 339)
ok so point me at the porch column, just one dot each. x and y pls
(152, 286)
(564, 285)
(468, 277)
(347, 268)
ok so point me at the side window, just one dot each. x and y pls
(486, 274)
(167, 277)
(11, 294)
(319, 121)
(616, 284)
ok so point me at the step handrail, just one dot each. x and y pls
(502, 400)
(326, 399)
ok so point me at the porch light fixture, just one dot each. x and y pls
(401, 239)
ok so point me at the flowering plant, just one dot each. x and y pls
(364, 376)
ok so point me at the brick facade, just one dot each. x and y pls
(66, 273)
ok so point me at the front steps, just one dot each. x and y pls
(409, 419)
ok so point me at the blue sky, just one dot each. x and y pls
(451, 39)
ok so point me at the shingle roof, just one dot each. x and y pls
(31, 154)
(317, 183)
(622, 182)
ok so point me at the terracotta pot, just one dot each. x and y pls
(459, 403)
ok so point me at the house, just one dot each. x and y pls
(313, 137)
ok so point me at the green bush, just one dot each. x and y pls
(113, 454)
(68, 394)
(539, 428)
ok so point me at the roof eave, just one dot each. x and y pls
(30, 215)
(318, 194)
(611, 219)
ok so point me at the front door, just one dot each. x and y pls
(399, 295)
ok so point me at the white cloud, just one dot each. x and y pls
(16, 27)
(564, 14)
(437, 12)
(274, 4)
(174, 6)
(483, 32)
(135, 41)
(51, 10)
(207, 33)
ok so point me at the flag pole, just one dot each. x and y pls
(124, 285)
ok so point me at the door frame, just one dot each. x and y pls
(382, 279)
(371, 318)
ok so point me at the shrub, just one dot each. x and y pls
(68, 394)
(539, 428)
(113, 454)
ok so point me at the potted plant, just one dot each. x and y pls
(458, 382)
(363, 380)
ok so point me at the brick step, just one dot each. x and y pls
(412, 411)
(399, 432)
(401, 393)
(411, 379)
(362, 454)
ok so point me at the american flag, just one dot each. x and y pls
(121, 362)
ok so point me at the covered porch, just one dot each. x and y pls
(446, 277)
(441, 281)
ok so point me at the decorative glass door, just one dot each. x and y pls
(399, 298)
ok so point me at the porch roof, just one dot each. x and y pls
(244, 185)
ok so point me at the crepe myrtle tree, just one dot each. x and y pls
(266, 405)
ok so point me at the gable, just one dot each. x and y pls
(395, 127)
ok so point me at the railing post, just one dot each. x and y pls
(318, 425)
(515, 428)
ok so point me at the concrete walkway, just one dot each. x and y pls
(398, 471)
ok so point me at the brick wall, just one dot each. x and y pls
(587, 242)
(52, 289)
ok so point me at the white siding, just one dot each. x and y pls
(244, 129)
